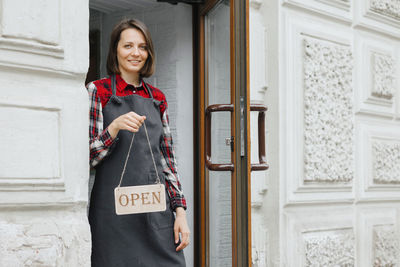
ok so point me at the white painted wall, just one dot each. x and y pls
(264, 73)
(171, 29)
(44, 139)
(333, 132)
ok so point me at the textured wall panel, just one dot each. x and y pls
(386, 161)
(330, 248)
(386, 246)
(380, 15)
(378, 150)
(378, 235)
(383, 76)
(328, 112)
(389, 8)
(319, 110)
(318, 236)
(376, 74)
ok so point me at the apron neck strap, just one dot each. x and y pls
(147, 89)
(113, 85)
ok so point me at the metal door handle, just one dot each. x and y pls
(209, 110)
(262, 162)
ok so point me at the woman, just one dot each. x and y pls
(116, 113)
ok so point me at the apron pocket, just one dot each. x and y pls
(162, 219)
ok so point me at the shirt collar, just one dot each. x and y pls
(122, 85)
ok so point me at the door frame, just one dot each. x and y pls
(240, 179)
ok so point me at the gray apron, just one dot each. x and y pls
(137, 239)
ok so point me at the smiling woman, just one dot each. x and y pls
(120, 105)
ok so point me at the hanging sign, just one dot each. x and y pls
(139, 199)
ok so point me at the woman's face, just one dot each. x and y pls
(131, 51)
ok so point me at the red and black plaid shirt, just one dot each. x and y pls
(101, 142)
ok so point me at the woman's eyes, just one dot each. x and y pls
(142, 47)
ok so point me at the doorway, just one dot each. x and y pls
(223, 215)
(201, 55)
(171, 30)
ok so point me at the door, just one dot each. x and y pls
(223, 199)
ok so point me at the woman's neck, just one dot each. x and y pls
(131, 78)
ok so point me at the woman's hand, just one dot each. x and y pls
(181, 226)
(129, 121)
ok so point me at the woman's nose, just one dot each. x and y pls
(135, 51)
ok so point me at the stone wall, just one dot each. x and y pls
(44, 139)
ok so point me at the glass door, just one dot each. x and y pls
(218, 90)
(222, 218)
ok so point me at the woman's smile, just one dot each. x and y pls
(135, 62)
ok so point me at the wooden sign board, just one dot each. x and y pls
(139, 199)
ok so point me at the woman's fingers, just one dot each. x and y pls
(176, 235)
(184, 242)
(129, 121)
(182, 229)
(132, 121)
(139, 119)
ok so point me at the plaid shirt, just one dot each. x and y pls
(101, 142)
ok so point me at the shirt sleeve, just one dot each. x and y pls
(100, 140)
(168, 162)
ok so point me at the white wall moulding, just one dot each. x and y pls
(377, 82)
(378, 15)
(256, 4)
(39, 35)
(318, 82)
(258, 50)
(27, 168)
(337, 9)
(260, 237)
(319, 236)
(32, 27)
(378, 167)
(379, 235)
